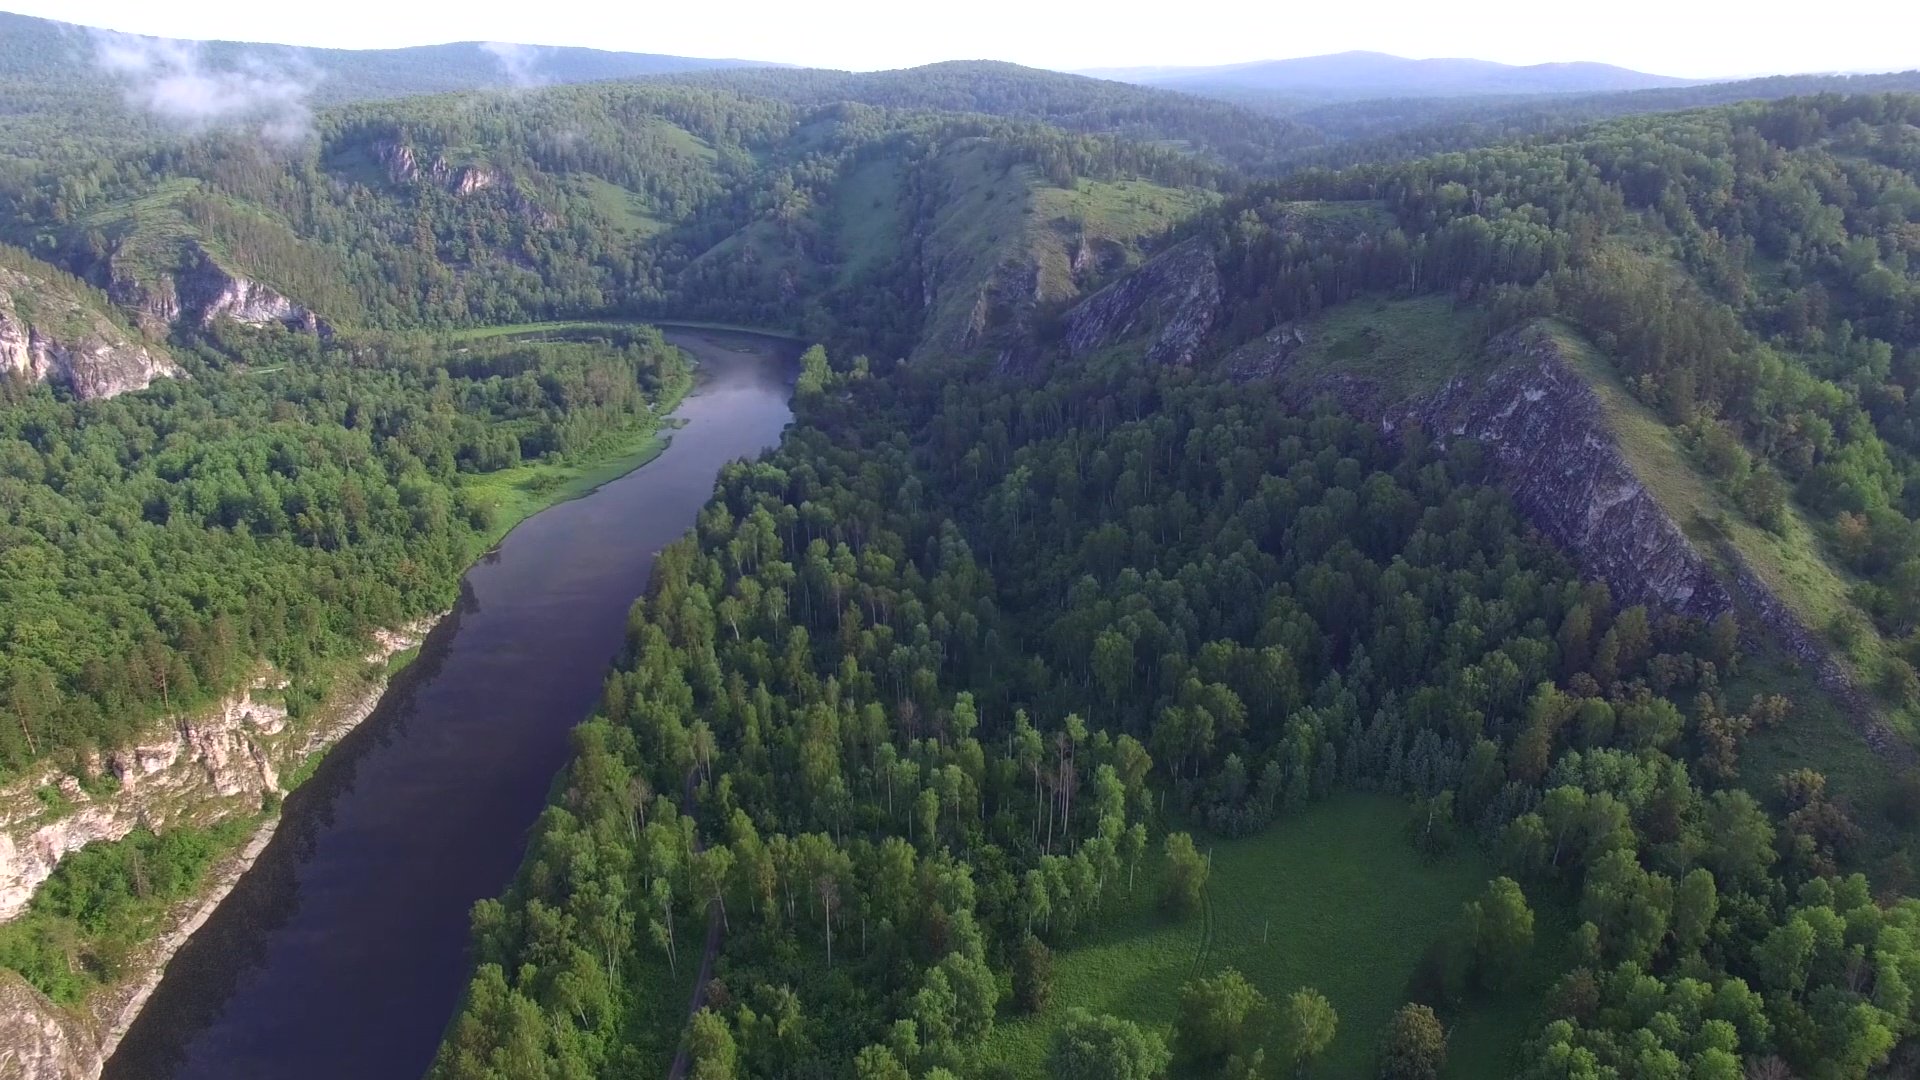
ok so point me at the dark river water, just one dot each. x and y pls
(342, 952)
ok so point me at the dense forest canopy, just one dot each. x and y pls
(162, 546)
(965, 614)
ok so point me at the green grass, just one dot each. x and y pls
(518, 493)
(869, 216)
(995, 222)
(1406, 348)
(1333, 897)
(402, 660)
(626, 211)
(1122, 209)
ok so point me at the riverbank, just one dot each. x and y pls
(212, 769)
(237, 761)
(355, 917)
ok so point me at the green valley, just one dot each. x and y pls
(1235, 584)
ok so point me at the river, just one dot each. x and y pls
(342, 953)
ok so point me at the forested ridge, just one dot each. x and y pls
(971, 679)
(984, 630)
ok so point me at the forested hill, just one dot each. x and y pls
(61, 58)
(689, 195)
(1227, 544)
(1211, 495)
(1070, 102)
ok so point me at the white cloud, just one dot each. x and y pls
(173, 81)
(521, 62)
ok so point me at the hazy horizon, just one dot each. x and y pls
(868, 35)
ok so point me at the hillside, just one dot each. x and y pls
(688, 196)
(60, 59)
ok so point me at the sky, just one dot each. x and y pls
(1689, 38)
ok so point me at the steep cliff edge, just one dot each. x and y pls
(1174, 299)
(208, 292)
(1544, 427)
(199, 770)
(51, 330)
(172, 281)
(1001, 251)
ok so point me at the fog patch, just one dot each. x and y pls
(173, 81)
(520, 63)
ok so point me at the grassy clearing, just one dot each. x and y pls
(996, 222)
(869, 216)
(517, 494)
(1407, 348)
(1123, 209)
(626, 211)
(1333, 897)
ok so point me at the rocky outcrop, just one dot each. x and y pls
(199, 769)
(1544, 427)
(196, 290)
(47, 334)
(208, 292)
(154, 304)
(1174, 297)
(403, 167)
(40, 1042)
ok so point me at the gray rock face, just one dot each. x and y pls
(206, 293)
(403, 167)
(1544, 427)
(1174, 296)
(59, 339)
(39, 1041)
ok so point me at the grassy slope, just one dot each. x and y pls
(1798, 570)
(992, 217)
(518, 493)
(626, 211)
(1405, 347)
(1333, 897)
(869, 219)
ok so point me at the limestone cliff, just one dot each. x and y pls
(403, 166)
(209, 292)
(50, 330)
(200, 769)
(196, 769)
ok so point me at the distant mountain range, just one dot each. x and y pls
(1354, 76)
(56, 51)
